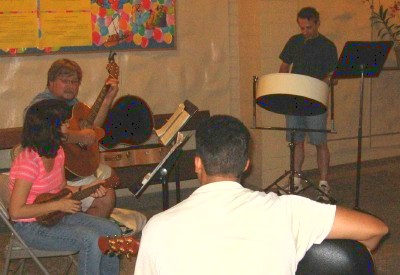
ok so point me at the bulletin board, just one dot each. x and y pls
(39, 27)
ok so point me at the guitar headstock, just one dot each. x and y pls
(112, 67)
(119, 245)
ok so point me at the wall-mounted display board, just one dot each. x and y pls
(36, 27)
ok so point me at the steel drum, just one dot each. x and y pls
(292, 94)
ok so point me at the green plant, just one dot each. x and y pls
(383, 20)
(387, 29)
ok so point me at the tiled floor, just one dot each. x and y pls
(379, 195)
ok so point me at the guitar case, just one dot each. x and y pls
(129, 121)
(337, 257)
(132, 156)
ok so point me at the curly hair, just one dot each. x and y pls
(64, 67)
(42, 127)
(222, 143)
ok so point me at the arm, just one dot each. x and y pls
(108, 100)
(328, 78)
(350, 224)
(83, 136)
(18, 208)
(284, 68)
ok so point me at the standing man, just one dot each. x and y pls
(63, 81)
(224, 228)
(312, 54)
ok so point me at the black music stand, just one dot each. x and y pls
(162, 170)
(361, 59)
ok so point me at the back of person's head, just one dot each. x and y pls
(42, 126)
(222, 143)
(308, 13)
(64, 67)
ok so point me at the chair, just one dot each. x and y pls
(17, 248)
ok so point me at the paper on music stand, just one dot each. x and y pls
(169, 159)
(176, 122)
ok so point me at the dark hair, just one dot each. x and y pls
(42, 126)
(308, 13)
(222, 143)
(64, 67)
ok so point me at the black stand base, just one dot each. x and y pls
(291, 173)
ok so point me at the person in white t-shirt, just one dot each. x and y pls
(224, 228)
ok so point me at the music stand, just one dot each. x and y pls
(162, 170)
(296, 105)
(361, 59)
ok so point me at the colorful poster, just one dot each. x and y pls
(114, 25)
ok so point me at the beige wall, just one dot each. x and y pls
(221, 45)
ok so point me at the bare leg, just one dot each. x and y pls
(323, 160)
(298, 156)
(102, 207)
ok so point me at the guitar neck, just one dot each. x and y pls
(111, 182)
(97, 104)
(85, 193)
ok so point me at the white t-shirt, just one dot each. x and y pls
(224, 228)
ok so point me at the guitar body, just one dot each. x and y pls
(52, 218)
(82, 160)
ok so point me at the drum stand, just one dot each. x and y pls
(292, 173)
(292, 146)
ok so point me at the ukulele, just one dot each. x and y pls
(53, 218)
(121, 245)
(83, 160)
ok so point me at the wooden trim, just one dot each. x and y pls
(10, 137)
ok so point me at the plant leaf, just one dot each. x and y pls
(383, 35)
(381, 10)
(385, 13)
(381, 31)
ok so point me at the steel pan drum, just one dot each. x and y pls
(292, 94)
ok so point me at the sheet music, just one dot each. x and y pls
(180, 139)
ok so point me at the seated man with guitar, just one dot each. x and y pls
(224, 228)
(82, 159)
(44, 208)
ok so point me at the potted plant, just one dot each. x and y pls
(387, 29)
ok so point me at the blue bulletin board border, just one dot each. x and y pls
(121, 25)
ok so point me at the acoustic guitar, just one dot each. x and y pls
(83, 160)
(120, 245)
(53, 218)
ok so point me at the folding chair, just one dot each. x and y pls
(17, 248)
